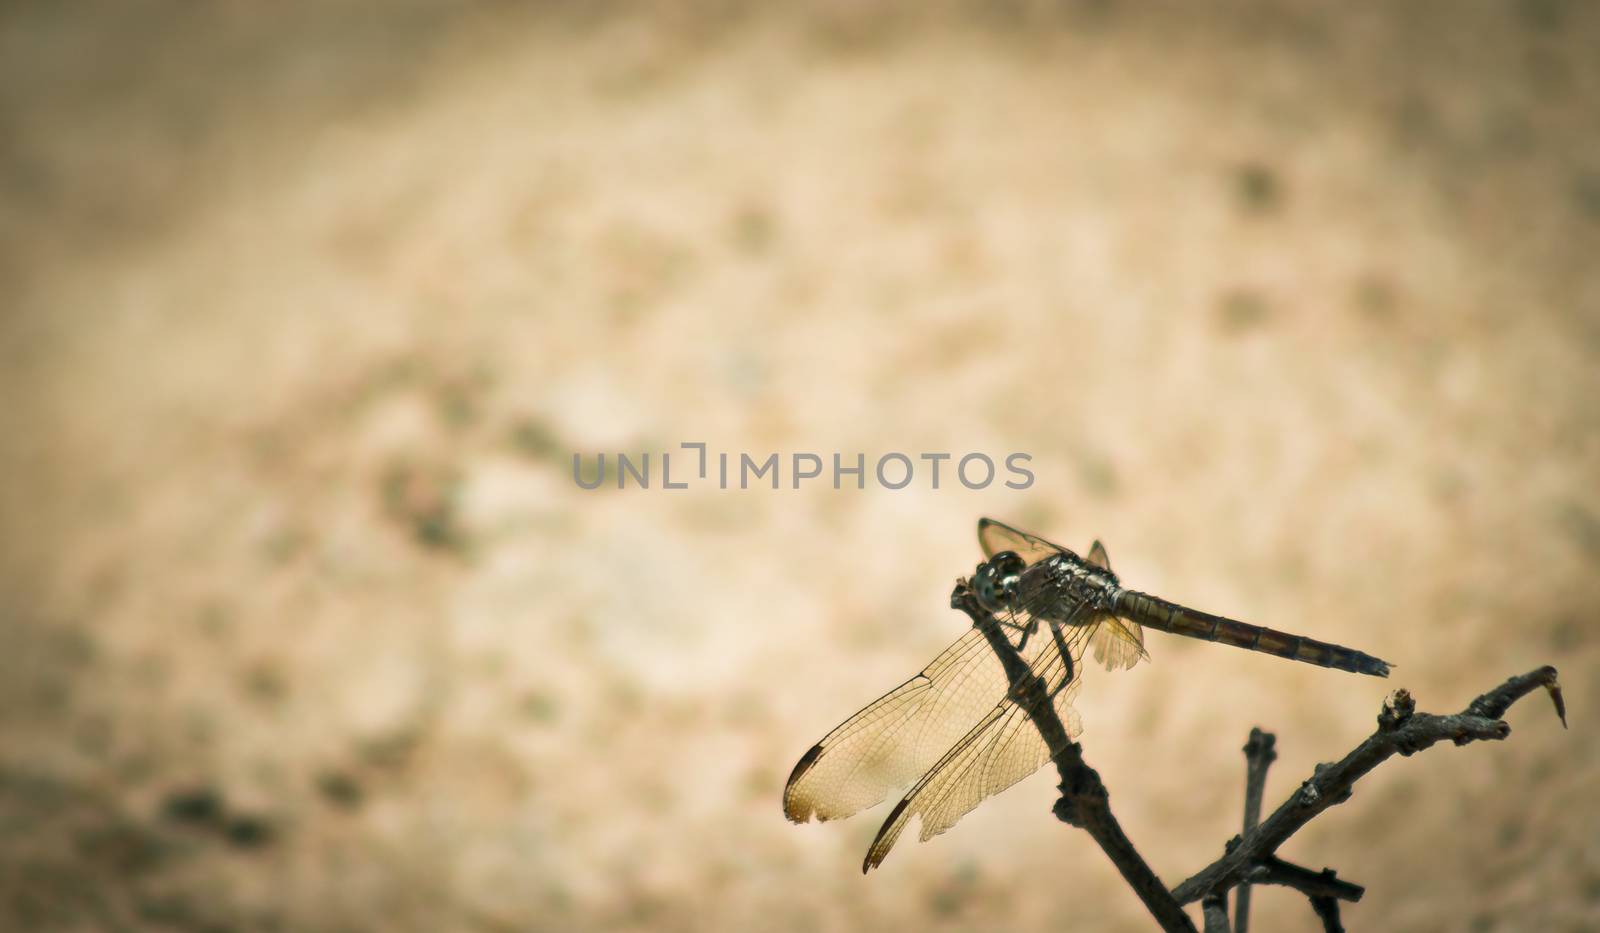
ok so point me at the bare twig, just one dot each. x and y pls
(1258, 756)
(1493, 705)
(1400, 729)
(1328, 909)
(1215, 911)
(1084, 802)
(1313, 884)
(1250, 858)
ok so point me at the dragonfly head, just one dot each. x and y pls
(996, 580)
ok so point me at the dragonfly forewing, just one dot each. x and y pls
(996, 536)
(898, 737)
(1002, 749)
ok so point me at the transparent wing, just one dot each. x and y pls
(897, 738)
(995, 536)
(1002, 749)
(1117, 643)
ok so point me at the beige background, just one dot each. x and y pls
(306, 309)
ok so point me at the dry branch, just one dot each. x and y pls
(1214, 910)
(1259, 755)
(1327, 909)
(1401, 729)
(1250, 858)
(1313, 884)
(1084, 802)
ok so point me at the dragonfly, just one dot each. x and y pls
(959, 732)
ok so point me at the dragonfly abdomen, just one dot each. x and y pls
(1154, 612)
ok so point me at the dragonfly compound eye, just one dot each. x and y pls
(996, 581)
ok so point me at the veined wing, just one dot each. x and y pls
(1002, 749)
(1117, 643)
(996, 536)
(897, 738)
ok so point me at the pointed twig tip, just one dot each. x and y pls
(1554, 689)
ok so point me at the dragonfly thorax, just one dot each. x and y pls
(1062, 583)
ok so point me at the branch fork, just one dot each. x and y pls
(1250, 858)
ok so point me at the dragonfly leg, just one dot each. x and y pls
(1066, 658)
(1027, 629)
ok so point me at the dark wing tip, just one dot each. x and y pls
(792, 809)
(879, 851)
(804, 764)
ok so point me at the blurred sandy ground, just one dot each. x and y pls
(307, 627)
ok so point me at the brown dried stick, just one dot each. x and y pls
(1084, 802)
(1400, 729)
(1250, 858)
(1258, 756)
